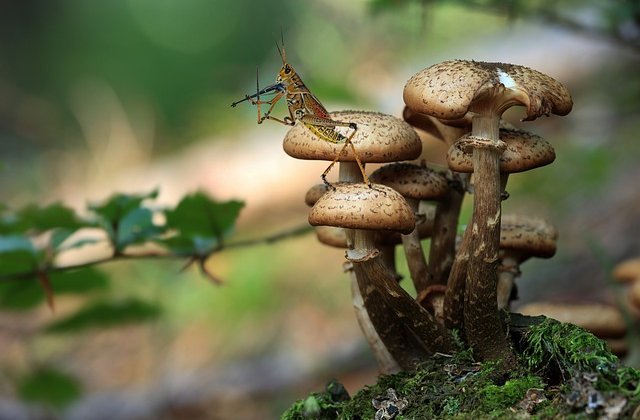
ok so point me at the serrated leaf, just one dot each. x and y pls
(118, 205)
(136, 227)
(200, 223)
(17, 255)
(105, 315)
(49, 386)
(112, 211)
(50, 217)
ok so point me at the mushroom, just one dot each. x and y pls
(408, 331)
(524, 151)
(454, 90)
(521, 237)
(380, 138)
(415, 183)
(442, 247)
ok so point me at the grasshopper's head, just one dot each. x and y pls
(285, 74)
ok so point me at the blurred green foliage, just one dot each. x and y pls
(49, 386)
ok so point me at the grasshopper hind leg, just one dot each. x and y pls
(347, 143)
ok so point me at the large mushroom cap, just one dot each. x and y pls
(358, 206)
(379, 138)
(450, 89)
(524, 151)
(412, 181)
(529, 236)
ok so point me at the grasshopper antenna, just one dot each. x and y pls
(282, 52)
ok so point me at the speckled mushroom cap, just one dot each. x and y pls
(524, 151)
(528, 236)
(450, 89)
(412, 181)
(314, 193)
(331, 236)
(380, 138)
(603, 321)
(336, 237)
(358, 206)
(627, 271)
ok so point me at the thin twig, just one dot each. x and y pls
(270, 239)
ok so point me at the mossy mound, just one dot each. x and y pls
(564, 372)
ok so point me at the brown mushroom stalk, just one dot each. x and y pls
(415, 183)
(521, 237)
(447, 213)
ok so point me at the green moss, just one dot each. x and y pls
(497, 398)
(553, 344)
(559, 363)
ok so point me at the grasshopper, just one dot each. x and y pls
(304, 107)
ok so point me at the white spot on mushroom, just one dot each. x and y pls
(505, 79)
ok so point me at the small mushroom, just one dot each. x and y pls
(442, 247)
(408, 332)
(453, 90)
(524, 151)
(415, 183)
(521, 237)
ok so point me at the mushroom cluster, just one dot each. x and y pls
(464, 282)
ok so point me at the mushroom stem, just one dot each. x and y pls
(456, 285)
(443, 242)
(482, 321)
(414, 253)
(386, 362)
(508, 271)
(410, 333)
(350, 172)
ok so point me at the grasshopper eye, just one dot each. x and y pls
(287, 69)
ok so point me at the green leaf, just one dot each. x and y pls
(26, 294)
(17, 255)
(105, 315)
(200, 223)
(118, 205)
(49, 386)
(116, 208)
(136, 227)
(20, 295)
(50, 217)
(83, 280)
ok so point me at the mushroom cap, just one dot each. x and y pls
(524, 151)
(450, 89)
(336, 237)
(627, 271)
(412, 181)
(380, 138)
(331, 236)
(314, 193)
(527, 236)
(604, 321)
(358, 206)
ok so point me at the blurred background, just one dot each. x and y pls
(132, 95)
